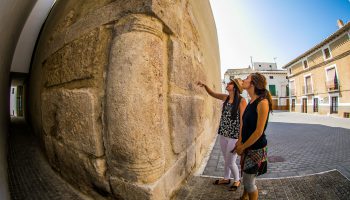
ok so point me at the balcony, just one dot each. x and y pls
(307, 90)
(332, 85)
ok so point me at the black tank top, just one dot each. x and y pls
(250, 119)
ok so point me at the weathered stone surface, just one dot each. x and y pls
(135, 99)
(191, 157)
(76, 61)
(171, 13)
(186, 120)
(159, 190)
(128, 190)
(78, 168)
(185, 65)
(70, 116)
(199, 151)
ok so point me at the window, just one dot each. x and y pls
(290, 70)
(332, 80)
(291, 87)
(305, 64)
(331, 74)
(13, 90)
(308, 87)
(326, 53)
(272, 89)
(271, 77)
(270, 66)
(259, 65)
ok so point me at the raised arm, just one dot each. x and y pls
(219, 96)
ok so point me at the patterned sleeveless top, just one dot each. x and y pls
(229, 126)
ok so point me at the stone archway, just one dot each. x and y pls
(113, 95)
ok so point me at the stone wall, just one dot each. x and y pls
(113, 94)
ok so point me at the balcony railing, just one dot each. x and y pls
(307, 90)
(332, 85)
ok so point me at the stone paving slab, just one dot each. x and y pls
(30, 176)
(328, 185)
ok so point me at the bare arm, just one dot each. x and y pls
(263, 111)
(219, 96)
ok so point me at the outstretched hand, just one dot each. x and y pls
(200, 84)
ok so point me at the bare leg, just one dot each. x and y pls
(253, 195)
(245, 195)
(250, 189)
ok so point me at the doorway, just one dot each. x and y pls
(334, 105)
(304, 105)
(315, 105)
(293, 105)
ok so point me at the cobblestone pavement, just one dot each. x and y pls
(330, 185)
(297, 149)
(30, 176)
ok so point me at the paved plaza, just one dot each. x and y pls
(299, 146)
(327, 186)
(306, 161)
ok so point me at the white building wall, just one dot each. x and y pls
(279, 80)
(13, 95)
(263, 66)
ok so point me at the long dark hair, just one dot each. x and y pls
(236, 101)
(259, 82)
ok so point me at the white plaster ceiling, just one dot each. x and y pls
(29, 35)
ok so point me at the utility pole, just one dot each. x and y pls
(251, 61)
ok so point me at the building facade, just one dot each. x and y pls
(277, 82)
(319, 78)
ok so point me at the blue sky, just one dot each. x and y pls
(265, 29)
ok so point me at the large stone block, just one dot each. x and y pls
(71, 116)
(186, 120)
(128, 190)
(171, 12)
(81, 59)
(185, 66)
(78, 168)
(163, 188)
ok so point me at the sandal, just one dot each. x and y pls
(222, 182)
(235, 185)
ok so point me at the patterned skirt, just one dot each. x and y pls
(254, 161)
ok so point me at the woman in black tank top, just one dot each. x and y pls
(252, 143)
